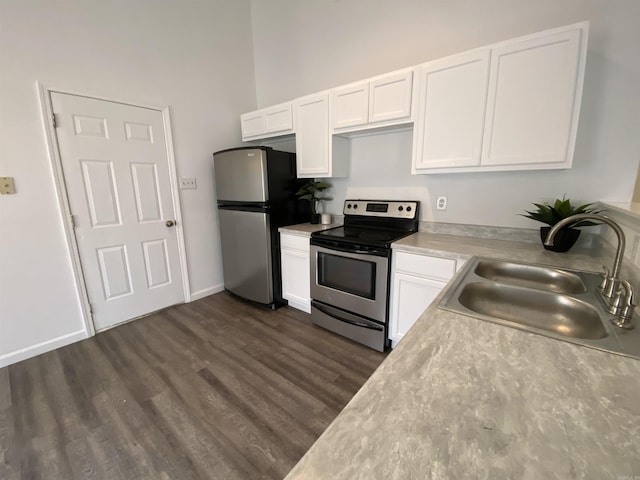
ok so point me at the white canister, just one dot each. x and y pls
(325, 218)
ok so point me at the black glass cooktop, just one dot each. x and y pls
(362, 235)
(371, 223)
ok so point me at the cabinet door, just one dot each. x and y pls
(296, 279)
(279, 118)
(411, 295)
(267, 122)
(312, 135)
(252, 124)
(451, 111)
(533, 102)
(390, 97)
(350, 105)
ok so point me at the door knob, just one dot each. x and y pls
(170, 223)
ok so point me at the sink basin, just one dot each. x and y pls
(555, 313)
(531, 276)
(552, 301)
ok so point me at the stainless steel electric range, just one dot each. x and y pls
(351, 266)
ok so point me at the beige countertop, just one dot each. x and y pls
(464, 398)
(587, 255)
(305, 229)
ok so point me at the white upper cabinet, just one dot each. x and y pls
(312, 135)
(509, 106)
(513, 105)
(350, 105)
(267, 122)
(533, 101)
(451, 109)
(380, 101)
(317, 153)
(390, 97)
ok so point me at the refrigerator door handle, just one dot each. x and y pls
(245, 207)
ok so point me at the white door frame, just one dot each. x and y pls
(44, 97)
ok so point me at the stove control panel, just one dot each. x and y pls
(382, 208)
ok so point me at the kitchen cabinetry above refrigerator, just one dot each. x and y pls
(267, 122)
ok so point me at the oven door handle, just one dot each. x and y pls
(371, 251)
(346, 320)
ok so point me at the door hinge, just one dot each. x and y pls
(73, 220)
(55, 122)
(91, 308)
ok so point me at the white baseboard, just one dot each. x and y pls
(32, 351)
(304, 305)
(206, 292)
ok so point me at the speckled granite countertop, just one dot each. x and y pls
(589, 255)
(464, 398)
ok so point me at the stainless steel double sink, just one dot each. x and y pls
(555, 302)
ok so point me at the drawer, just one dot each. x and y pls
(425, 266)
(294, 242)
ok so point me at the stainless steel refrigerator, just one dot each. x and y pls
(255, 188)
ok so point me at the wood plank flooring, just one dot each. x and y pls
(214, 389)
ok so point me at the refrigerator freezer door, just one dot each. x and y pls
(241, 175)
(246, 254)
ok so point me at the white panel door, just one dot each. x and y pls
(451, 111)
(116, 170)
(533, 100)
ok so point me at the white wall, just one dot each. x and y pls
(193, 56)
(306, 46)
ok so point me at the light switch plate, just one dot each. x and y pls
(7, 186)
(187, 183)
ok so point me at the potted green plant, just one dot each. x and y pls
(312, 191)
(552, 214)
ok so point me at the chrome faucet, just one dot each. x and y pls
(624, 305)
(619, 298)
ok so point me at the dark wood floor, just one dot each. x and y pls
(211, 389)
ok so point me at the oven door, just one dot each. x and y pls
(350, 279)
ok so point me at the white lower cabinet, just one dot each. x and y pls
(416, 280)
(294, 260)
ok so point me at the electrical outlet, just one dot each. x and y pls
(188, 183)
(441, 203)
(6, 186)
